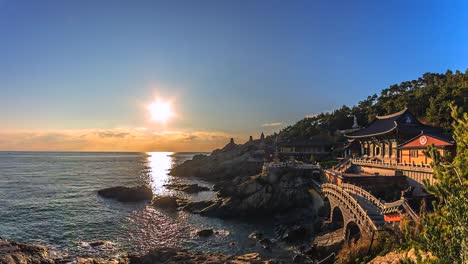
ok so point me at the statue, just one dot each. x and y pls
(355, 125)
(232, 141)
(250, 139)
(262, 136)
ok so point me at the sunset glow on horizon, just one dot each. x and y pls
(77, 76)
(160, 111)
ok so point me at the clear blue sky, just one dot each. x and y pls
(228, 66)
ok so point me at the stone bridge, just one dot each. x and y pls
(355, 210)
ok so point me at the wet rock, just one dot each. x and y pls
(168, 202)
(195, 188)
(100, 244)
(205, 232)
(127, 194)
(188, 188)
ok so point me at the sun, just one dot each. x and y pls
(160, 111)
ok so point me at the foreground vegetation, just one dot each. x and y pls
(444, 231)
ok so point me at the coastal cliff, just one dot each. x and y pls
(262, 194)
(231, 161)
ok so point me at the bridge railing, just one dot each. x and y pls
(351, 203)
(363, 193)
(384, 207)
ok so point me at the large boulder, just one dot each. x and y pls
(127, 194)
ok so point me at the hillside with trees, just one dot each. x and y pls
(427, 97)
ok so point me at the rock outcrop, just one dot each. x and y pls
(168, 202)
(18, 253)
(263, 194)
(127, 194)
(205, 232)
(188, 188)
(12, 253)
(227, 163)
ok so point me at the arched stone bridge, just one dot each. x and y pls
(356, 210)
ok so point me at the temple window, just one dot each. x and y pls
(414, 153)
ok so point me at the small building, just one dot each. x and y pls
(304, 149)
(412, 151)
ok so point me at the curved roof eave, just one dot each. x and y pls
(373, 135)
(399, 113)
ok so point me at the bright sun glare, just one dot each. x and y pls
(160, 111)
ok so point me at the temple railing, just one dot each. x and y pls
(293, 165)
(393, 165)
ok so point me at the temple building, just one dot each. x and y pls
(412, 151)
(387, 137)
(393, 145)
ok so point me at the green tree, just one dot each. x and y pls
(444, 232)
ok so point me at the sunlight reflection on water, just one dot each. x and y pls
(160, 163)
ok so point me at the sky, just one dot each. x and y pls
(79, 75)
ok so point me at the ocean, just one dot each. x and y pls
(51, 198)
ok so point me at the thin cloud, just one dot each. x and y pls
(274, 124)
(118, 139)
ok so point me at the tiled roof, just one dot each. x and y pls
(381, 125)
(402, 121)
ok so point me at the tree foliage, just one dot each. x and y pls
(427, 97)
(444, 232)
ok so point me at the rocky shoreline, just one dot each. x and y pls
(242, 191)
(18, 253)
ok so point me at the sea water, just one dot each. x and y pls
(51, 198)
